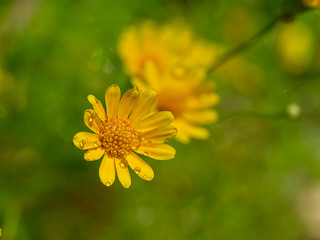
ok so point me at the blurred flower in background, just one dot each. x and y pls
(296, 47)
(173, 61)
(311, 3)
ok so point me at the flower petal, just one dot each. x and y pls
(128, 101)
(201, 117)
(92, 121)
(112, 96)
(151, 74)
(123, 173)
(107, 172)
(160, 134)
(85, 140)
(94, 154)
(144, 105)
(155, 120)
(98, 107)
(183, 137)
(159, 151)
(140, 167)
(139, 83)
(191, 130)
(204, 101)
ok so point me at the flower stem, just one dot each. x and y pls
(229, 55)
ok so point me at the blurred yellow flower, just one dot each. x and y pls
(168, 46)
(125, 127)
(186, 96)
(311, 3)
(171, 60)
(296, 47)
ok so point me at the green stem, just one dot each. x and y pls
(228, 56)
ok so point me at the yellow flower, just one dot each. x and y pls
(186, 95)
(171, 60)
(296, 44)
(168, 46)
(125, 127)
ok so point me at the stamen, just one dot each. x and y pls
(119, 138)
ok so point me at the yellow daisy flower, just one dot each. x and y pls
(125, 127)
(188, 97)
(168, 46)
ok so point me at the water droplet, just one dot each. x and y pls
(96, 144)
(93, 115)
(90, 121)
(137, 170)
(144, 177)
(146, 153)
(108, 184)
(82, 143)
(123, 163)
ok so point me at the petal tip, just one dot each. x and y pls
(91, 98)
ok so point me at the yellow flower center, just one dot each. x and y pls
(119, 137)
(172, 101)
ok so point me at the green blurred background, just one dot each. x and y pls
(258, 175)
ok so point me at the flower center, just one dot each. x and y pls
(119, 137)
(172, 101)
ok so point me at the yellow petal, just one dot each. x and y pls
(201, 117)
(191, 130)
(123, 173)
(128, 101)
(159, 151)
(139, 83)
(159, 135)
(204, 101)
(85, 140)
(144, 105)
(92, 121)
(183, 137)
(94, 154)
(155, 120)
(151, 74)
(107, 172)
(98, 108)
(140, 167)
(112, 100)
